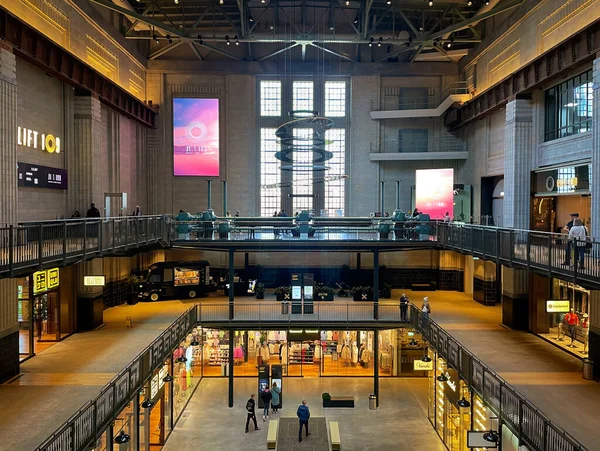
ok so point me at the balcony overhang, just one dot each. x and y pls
(425, 112)
(418, 156)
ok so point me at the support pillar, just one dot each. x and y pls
(358, 261)
(515, 298)
(376, 285)
(230, 366)
(231, 283)
(9, 326)
(376, 364)
(518, 153)
(595, 189)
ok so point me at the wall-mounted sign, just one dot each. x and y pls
(154, 387)
(36, 140)
(42, 176)
(564, 180)
(419, 365)
(452, 389)
(558, 306)
(94, 281)
(45, 280)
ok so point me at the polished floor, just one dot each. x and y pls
(400, 423)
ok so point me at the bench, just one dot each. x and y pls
(336, 441)
(272, 434)
(420, 287)
(339, 401)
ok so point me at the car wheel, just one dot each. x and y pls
(192, 294)
(154, 297)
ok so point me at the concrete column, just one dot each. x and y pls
(9, 327)
(451, 271)
(595, 229)
(517, 162)
(515, 298)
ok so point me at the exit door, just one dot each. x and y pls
(115, 204)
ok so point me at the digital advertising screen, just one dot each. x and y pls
(196, 137)
(435, 192)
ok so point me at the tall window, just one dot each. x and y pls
(303, 95)
(270, 175)
(335, 184)
(335, 98)
(569, 107)
(303, 179)
(270, 98)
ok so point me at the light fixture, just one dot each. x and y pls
(235, 38)
(250, 19)
(469, 3)
(271, 27)
(487, 2)
(176, 2)
(122, 438)
(491, 436)
(221, 2)
(200, 39)
(263, 1)
(463, 403)
(430, 2)
(169, 39)
(389, 2)
(371, 42)
(148, 404)
(347, 2)
(426, 358)
(155, 37)
(183, 358)
(449, 44)
(195, 342)
(168, 378)
(442, 378)
(356, 20)
(571, 105)
(331, 28)
(228, 43)
(379, 42)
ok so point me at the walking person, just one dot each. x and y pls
(303, 415)
(275, 392)
(403, 307)
(578, 232)
(425, 310)
(266, 399)
(567, 228)
(251, 411)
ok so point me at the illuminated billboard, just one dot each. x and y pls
(196, 137)
(435, 192)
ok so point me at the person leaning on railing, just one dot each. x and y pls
(578, 232)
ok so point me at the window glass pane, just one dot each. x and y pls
(335, 98)
(335, 184)
(303, 179)
(302, 95)
(270, 174)
(270, 98)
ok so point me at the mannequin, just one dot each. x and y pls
(585, 325)
(572, 320)
(284, 354)
(354, 354)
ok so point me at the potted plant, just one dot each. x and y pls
(433, 285)
(260, 291)
(339, 401)
(386, 291)
(325, 293)
(362, 293)
(283, 293)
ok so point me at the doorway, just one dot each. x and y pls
(115, 204)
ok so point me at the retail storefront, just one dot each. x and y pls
(45, 310)
(311, 352)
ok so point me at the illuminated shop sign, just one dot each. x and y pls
(420, 365)
(36, 140)
(45, 280)
(558, 306)
(94, 281)
(38, 176)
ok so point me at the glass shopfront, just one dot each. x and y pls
(569, 330)
(187, 370)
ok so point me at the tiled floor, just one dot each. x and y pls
(400, 423)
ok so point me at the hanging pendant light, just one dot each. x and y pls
(168, 378)
(463, 403)
(442, 378)
(122, 438)
(148, 404)
(491, 436)
(182, 359)
(426, 358)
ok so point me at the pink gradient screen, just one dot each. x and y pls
(196, 137)
(435, 192)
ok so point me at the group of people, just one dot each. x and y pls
(93, 212)
(579, 233)
(425, 307)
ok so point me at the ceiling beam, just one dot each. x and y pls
(366, 12)
(277, 52)
(196, 51)
(340, 55)
(415, 54)
(471, 27)
(165, 50)
(200, 18)
(234, 26)
(408, 21)
(398, 52)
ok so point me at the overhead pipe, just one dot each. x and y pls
(382, 198)
(224, 197)
(209, 193)
(397, 194)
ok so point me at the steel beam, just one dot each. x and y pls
(366, 12)
(277, 52)
(216, 49)
(417, 53)
(165, 50)
(196, 51)
(234, 26)
(408, 22)
(340, 55)
(398, 52)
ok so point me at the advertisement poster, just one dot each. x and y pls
(435, 192)
(196, 137)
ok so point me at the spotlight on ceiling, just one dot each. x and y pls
(169, 39)
(250, 19)
(430, 2)
(271, 27)
(371, 42)
(449, 44)
(487, 3)
(379, 42)
(155, 38)
(148, 404)
(235, 38)
(176, 2)
(347, 2)
(228, 43)
(389, 2)
(469, 3)
(263, 1)
(122, 438)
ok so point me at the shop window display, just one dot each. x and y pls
(126, 422)
(347, 353)
(570, 330)
(187, 370)
(254, 348)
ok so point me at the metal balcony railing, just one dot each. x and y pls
(397, 99)
(412, 146)
(35, 244)
(535, 430)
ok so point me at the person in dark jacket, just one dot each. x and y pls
(303, 415)
(266, 399)
(251, 411)
(403, 307)
(93, 212)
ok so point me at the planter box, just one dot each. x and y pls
(324, 297)
(340, 401)
(362, 296)
(420, 287)
(282, 297)
(260, 295)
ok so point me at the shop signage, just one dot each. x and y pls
(419, 365)
(41, 176)
(558, 306)
(94, 281)
(45, 280)
(36, 140)
(564, 180)
(154, 387)
(452, 385)
(162, 373)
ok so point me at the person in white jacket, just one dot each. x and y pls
(579, 233)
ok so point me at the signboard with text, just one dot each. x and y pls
(94, 281)
(419, 365)
(558, 306)
(45, 280)
(38, 176)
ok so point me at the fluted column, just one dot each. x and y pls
(595, 188)
(517, 163)
(515, 298)
(9, 327)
